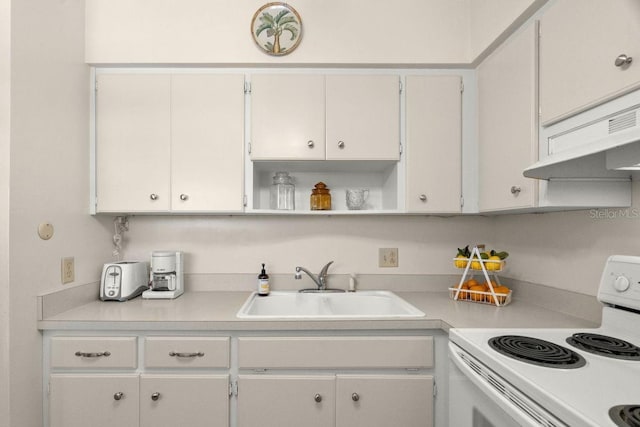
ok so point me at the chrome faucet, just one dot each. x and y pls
(320, 280)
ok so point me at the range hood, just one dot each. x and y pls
(603, 142)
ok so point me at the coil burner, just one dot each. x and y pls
(536, 351)
(605, 346)
(625, 415)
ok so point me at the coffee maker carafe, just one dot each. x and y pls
(167, 281)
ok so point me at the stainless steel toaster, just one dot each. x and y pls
(123, 280)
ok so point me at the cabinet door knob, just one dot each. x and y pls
(515, 190)
(155, 396)
(623, 60)
(355, 397)
(184, 197)
(423, 197)
(317, 397)
(311, 144)
(119, 395)
(341, 144)
(153, 196)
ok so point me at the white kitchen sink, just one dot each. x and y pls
(350, 305)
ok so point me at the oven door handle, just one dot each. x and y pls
(519, 407)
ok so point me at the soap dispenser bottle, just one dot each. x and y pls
(263, 283)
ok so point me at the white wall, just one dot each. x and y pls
(489, 18)
(426, 245)
(5, 36)
(48, 181)
(335, 32)
(567, 250)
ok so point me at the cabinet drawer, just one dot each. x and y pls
(186, 352)
(335, 352)
(94, 352)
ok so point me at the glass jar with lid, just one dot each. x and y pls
(320, 197)
(282, 192)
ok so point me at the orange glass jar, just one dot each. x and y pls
(320, 197)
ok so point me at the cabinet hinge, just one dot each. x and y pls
(401, 148)
(245, 200)
(233, 388)
(400, 84)
(461, 86)
(461, 201)
(247, 88)
(435, 389)
(249, 147)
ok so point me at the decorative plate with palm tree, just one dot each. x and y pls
(276, 28)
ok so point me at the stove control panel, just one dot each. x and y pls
(620, 282)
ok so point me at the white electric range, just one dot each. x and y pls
(554, 377)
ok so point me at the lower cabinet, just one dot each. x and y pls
(147, 380)
(286, 400)
(138, 400)
(335, 400)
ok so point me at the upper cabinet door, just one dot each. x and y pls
(507, 124)
(363, 117)
(580, 41)
(207, 128)
(133, 142)
(434, 138)
(287, 117)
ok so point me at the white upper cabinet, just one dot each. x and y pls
(207, 119)
(507, 129)
(133, 138)
(580, 43)
(287, 117)
(169, 142)
(363, 117)
(317, 117)
(433, 140)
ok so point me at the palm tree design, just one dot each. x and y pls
(275, 26)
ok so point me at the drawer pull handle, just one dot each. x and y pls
(119, 395)
(317, 397)
(155, 396)
(311, 144)
(355, 397)
(100, 354)
(174, 354)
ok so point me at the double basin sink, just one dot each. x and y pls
(328, 305)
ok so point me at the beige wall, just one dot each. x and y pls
(5, 33)
(48, 181)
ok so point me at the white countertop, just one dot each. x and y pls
(216, 311)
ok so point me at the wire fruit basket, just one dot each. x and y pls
(489, 295)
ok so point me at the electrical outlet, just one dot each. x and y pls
(68, 270)
(388, 257)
